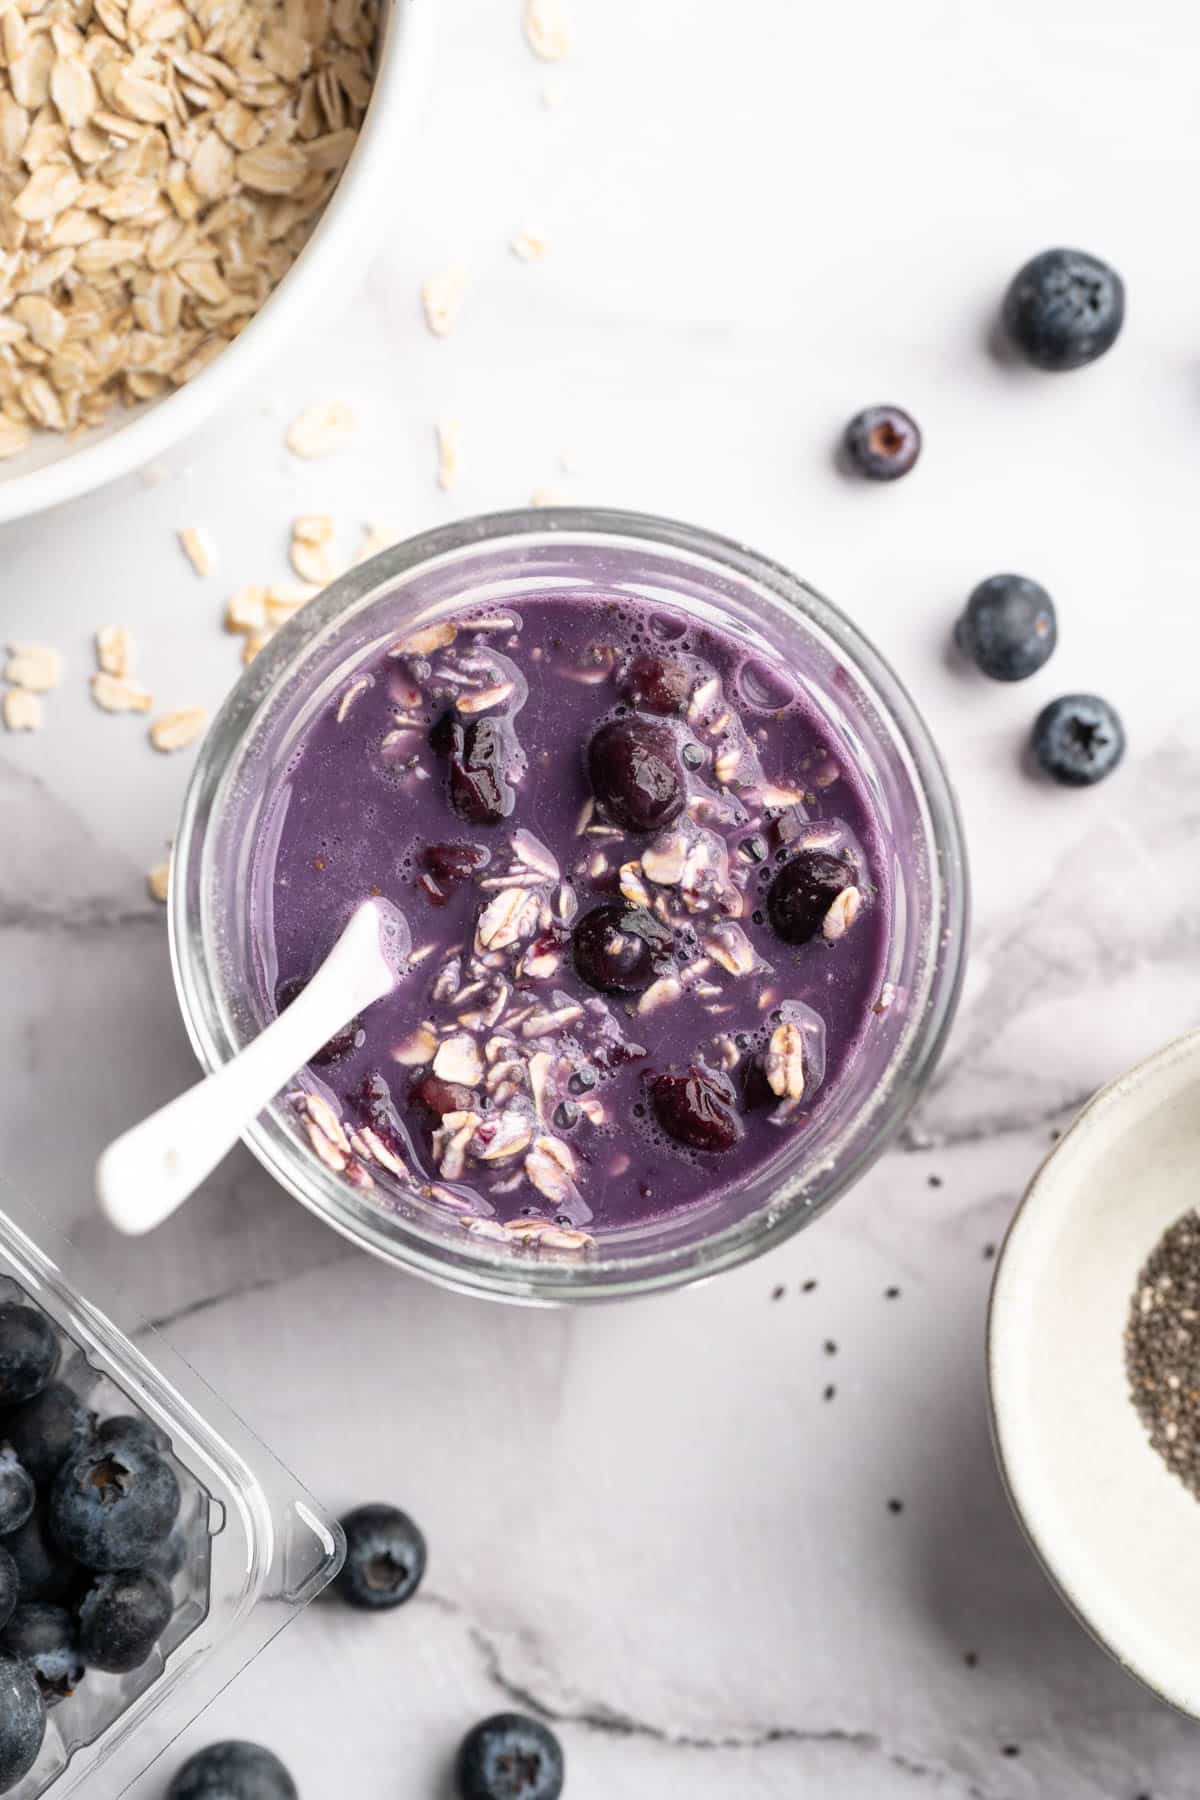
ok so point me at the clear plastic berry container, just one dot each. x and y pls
(257, 1547)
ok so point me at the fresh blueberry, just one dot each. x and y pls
(882, 442)
(618, 948)
(340, 1044)
(1064, 309)
(44, 1572)
(233, 1771)
(125, 1426)
(110, 1506)
(1008, 629)
(481, 756)
(385, 1558)
(28, 1353)
(168, 1558)
(510, 1757)
(1078, 740)
(800, 896)
(46, 1430)
(656, 684)
(22, 1720)
(17, 1492)
(430, 1094)
(636, 774)
(45, 1637)
(696, 1109)
(121, 1618)
(10, 1587)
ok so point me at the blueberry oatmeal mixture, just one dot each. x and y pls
(648, 906)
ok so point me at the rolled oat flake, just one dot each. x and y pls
(1162, 1349)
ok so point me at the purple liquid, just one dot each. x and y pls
(556, 1113)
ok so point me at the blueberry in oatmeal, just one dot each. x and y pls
(650, 907)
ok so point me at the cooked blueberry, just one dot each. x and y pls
(10, 1586)
(882, 442)
(1008, 629)
(802, 893)
(566, 1115)
(111, 1505)
(376, 1108)
(756, 1089)
(1078, 740)
(480, 759)
(17, 1492)
(696, 1109)
(635, 773)
(1064, 309)
(46, 1430)
(45, 1638)
(22, 1720)
(44, 1571)
(28, 1353)
(124, 1426)
(510, 1757)
(385, 1558)
(618, 948)
(446, 733)
(658, 685)
(438, 1097)
(233, 1771)
(340, 1044)
(447, 866)
(121, 1618)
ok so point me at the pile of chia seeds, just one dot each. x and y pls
(1162, 1349)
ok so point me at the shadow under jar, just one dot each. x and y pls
(584, 611)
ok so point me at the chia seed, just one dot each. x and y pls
(1162, 1349)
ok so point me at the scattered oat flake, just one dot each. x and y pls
(546, 29)
(442, 297)
(198, 549)
(114, 650)
(35, 667)
(158, 881)
(529, 245)
(176, 730)
(22, 710)
(309, 553)
(545, 497)
(449, 448)
(320, 430)
(375, 539)
(118, 694)
(246, 610)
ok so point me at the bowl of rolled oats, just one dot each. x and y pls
(578, 750)
(180, 181)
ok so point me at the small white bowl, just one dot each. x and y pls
(57, 468)
(1117, 1533)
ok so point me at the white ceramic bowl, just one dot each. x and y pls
(1116, 1531)
(57, 468)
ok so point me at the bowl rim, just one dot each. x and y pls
(1001, 1316)
(471, 1269)
(401, 79)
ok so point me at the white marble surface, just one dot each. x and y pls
(644, 1521)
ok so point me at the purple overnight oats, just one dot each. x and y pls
(650, 904)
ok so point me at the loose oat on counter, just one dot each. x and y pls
(449, 449)
(177, 730)
(320, 430)
(158, 882)
(35, 667)
(546, 29)
(161, 167)
(196, 547)
(22, 710)
(442, 297)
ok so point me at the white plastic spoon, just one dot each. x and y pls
(146, 1173)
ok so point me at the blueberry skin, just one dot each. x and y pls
(28, 1353)
(22, 1720)
(233, 1771)
(510, 1757)
(385, 1558)
(111, 1506)
(46, 1430)
(1064, 309)
(1009, 629)
(125, 1426)
(1078, 740)
(10, 1587)
(882, 442)
(17, 1493)
(801, 894)
(122, 1617)
(45, 1637)
(44, 1572)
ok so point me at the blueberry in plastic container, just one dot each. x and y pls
(22, 1720)
(121, 1618)
(46, 1637)
(111, 1505)
(17, 1493)
(44, 1571)
(47, 1429)
(233, 1771)
(28, 1353)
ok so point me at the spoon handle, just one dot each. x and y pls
(151, 1169)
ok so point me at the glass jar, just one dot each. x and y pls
(495, 559)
